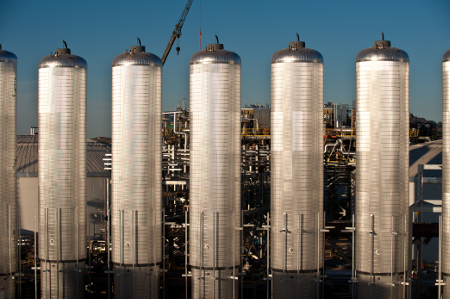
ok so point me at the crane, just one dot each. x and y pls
(177, 32)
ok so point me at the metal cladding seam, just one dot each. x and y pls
(445, 242)
(297, 171)
(136, 173)
(62, 174)
(215, 184)
(382, 137)
(8, 181)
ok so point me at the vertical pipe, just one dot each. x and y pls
(9, 245)
(9, 251)
(405, 250)
(241, 253)
(154, 248)
(164, 252)
(234, 253)
(214, 253)
(318, 256)
(47, 271)
(322, 254)
(35, 248)
(445, 174)
(420, 172)
(133, 246)
(185, 249)
(19, 250)
(121, 252)
(299, 246)
(58, 252)
(353, 257)
(202, 277)
(155, 271)
(108, 229)
(372, 247)
(440, 258)
(77, 225)
(285, 245)
(392, 254)
(91, 245)
(268, 255)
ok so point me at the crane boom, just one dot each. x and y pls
(177, 32)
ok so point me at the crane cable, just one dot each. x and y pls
(200, 32)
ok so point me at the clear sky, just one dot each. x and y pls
(255, 29)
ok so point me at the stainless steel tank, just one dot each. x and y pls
(136, 173)
(296, 171)
(382, 165)
(62, 174)
(215, 206)
(8, 185)
(446, 172)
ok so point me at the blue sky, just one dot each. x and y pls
(100, 30)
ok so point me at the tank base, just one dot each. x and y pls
(7, 287)
(293, 285)
(136, 282)
(62, 280)
(380, 287)
(214, 284)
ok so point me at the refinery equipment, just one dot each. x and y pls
(297, 172)
(136, 173)
(446, 173)
(215, 174)
(62, 174)
(8, 185)
(382, 178)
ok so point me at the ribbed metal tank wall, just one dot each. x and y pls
(446, 172)
(382, 165)
(8, 181)
(136, 173)
(62, 174)
(215, 206)
(296, 171)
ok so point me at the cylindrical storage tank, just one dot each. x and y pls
(62, 174)
(296, 171)
(215, 182)
(136, 173)
(446, 172)
(382, 172)
(8, 183)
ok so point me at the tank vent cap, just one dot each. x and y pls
(382, 44)
(137, 49)
(213, 47)
(296, 45)
(63, 51)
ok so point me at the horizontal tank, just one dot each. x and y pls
(62, 174)
(215, 185)
(382, 171)
(296, 171)
(446, 172)
(8, 181)
(136, 173)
